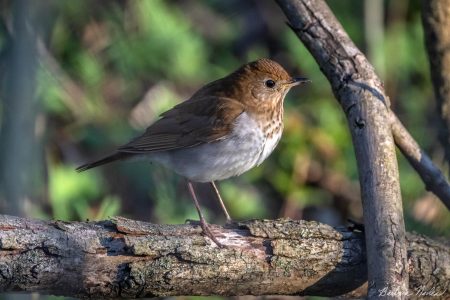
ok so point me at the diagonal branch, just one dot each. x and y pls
(433, 178)
(361, 95)
(122, 258)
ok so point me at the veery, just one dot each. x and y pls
(226, 128)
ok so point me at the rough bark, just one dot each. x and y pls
(361, 95)
(122, 258)
(436, 23)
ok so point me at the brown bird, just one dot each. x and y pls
(226, 128)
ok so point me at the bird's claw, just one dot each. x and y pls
(205, 230)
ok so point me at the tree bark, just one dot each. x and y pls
(362, 97)
(122, 258)
(436, 23)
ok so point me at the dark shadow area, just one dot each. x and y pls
(353, 265)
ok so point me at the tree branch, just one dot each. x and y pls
(123, 258)
(433, 178)
(361, 95)
(19, 109)
(436, 24)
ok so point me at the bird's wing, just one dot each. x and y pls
(193, 122)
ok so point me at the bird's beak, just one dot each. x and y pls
(297, 81)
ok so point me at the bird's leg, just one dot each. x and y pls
(203, 223)
(224, 209)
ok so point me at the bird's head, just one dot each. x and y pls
(264, 82)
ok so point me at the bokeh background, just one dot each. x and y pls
(79, 78)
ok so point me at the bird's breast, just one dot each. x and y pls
(256, 139)
(246, 146)
(272, 135)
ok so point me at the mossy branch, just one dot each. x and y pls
(122, 258)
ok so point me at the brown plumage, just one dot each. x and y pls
(227, 127)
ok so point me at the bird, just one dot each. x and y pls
(226, 128)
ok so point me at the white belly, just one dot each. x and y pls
(242, 150)
(269, 146)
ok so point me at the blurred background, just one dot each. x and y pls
(79, 78)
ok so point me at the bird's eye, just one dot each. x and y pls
(269, 83)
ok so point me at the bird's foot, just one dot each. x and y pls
(206, 231)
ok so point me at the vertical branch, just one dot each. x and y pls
(18, 109)
(436, 23)
(362, 97)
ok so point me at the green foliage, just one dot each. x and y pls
(71, 195)
(51, 93)
(243, 202)
(164, 43)
(172, 206)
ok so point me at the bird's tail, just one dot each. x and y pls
(106, 160)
